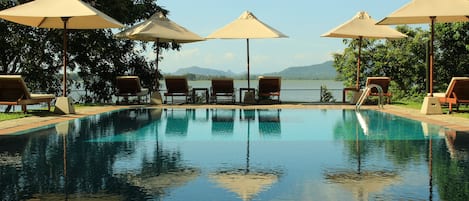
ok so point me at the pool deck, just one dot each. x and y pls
(17, 125)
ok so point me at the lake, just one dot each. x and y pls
(292, 90)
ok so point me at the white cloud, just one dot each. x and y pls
(229, 56)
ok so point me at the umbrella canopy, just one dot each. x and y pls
(359, 27)
(159, 28)
(63, 14)
(429, 11)
(247, 26)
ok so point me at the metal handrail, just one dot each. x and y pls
(365, 94)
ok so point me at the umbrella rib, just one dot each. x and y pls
(41, 22)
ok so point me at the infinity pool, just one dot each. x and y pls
(222, 154)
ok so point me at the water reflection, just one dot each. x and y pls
(11, 150)
(177, 122)
(246, 182)
(269, 123)
(362, 182)
(458, 144)
(321, 155)
(223, 121)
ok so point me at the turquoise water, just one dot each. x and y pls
(221, 154)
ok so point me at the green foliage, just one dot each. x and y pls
(326, 95)
(405, 60)
(95, 55)
(452, 55)
(29, 51)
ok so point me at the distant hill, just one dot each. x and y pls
(323, 71)
(203, 71)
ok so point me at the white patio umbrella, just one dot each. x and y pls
(247, 26)
(359, 27)
(159, 28)
(63, 14)
(429, 11)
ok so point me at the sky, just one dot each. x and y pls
(303, 21)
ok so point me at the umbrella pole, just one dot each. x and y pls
(156, 63)
(432, 27)
(64, 104)
(360, 39)
(247, 42)
(64, 92)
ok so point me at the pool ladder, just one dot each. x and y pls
(365, 93)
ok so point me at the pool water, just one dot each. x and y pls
(236, 154)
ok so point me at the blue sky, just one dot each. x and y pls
(302, 20)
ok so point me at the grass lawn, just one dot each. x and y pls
(463, 110)
(12, 115)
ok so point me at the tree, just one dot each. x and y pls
(405, 60)
(401, 59)
(95, 55)
(452, 55)
(29, 51)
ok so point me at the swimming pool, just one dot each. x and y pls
(236, 154)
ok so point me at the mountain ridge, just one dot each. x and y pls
(323, 70)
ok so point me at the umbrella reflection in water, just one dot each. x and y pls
(362, 182)
(163, 170)
(246, 182)
(63, 130)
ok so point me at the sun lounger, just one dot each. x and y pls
(13, 91)
(130, 86)
(268, 87)
(177, 86)
(457, 93)
(222, 88)
(383, 82)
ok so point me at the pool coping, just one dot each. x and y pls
(22, 124)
